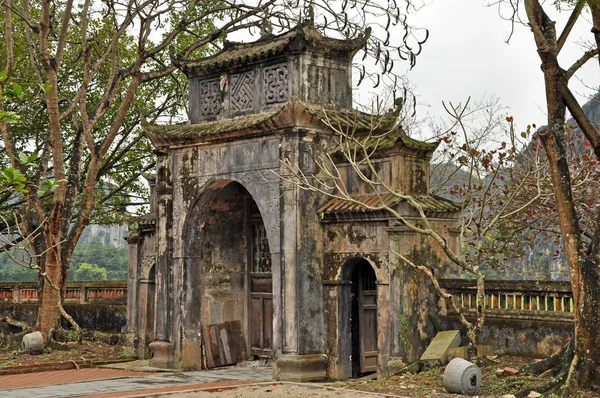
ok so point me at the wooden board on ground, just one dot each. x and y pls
(224, 344)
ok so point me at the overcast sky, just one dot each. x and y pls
(467, 55)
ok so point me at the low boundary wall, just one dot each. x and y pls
(529, 318)
(98, 305)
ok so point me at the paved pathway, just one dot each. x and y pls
(119, 382)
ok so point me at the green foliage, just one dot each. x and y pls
(72, 335)
(90, 272)
(13, 178)
(15, 273)
(112, 259)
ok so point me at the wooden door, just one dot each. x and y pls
(261, 294)
(367, 318)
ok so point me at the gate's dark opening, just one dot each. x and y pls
(363, 322)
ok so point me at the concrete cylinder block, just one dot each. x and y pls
(33, 343)
(462, 377)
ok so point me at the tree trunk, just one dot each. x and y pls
(49, 311)
(584, 368)
(587, 337)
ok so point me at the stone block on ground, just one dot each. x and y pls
(399, 367)
(500, 372)
(484, 351)
(436, 353)
(394, 367)
(534, 394)
(457, 352)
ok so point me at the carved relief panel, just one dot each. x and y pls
(210, 97)
(242, 91)
(276, 86)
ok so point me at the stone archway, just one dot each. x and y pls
(227, 271)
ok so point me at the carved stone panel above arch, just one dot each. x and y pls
(209, 97)
(242, 93)
(276, 84)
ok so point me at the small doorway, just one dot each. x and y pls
(363, 321)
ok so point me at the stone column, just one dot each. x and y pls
(384, 337)
(132, 277)
(162, 348)
(303, 338)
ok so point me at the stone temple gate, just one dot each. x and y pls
(233, 260)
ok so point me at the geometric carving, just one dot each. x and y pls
(242, 91)
(276, 83)
(210, 97)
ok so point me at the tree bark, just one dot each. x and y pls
(49, 310)
(584, 368)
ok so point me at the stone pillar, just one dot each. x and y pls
(384, 337)
(162, 348)
(132, 277)
(288, 269)
(302, 355)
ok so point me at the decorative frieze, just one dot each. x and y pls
(240, 92)
(276, 86)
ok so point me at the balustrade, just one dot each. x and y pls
(77, 291)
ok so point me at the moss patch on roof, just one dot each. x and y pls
(144, 223)
(240, 53)
(352, 120)
(182, 131)
(371, 130)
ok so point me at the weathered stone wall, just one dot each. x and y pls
(220, 268)
(98, 305)
(310, 77)
(538, 339)
(94, 316)
(529, 318)
(404, 171)
(415, 308)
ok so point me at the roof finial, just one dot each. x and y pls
(310, 15)
(266, 29)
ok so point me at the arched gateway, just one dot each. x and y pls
(245, 264)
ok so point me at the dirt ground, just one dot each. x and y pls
(427, 383)
(277, 390)
(88, 350)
